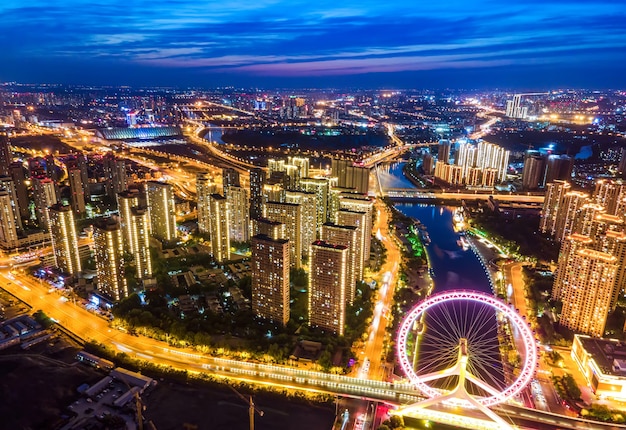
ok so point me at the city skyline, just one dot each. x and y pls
(267, 44)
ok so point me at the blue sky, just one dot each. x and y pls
(393, 43)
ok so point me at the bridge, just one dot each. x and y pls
(413, 193)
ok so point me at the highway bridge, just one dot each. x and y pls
(418, 194)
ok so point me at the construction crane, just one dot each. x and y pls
(251, 409)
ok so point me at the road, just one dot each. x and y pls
(421, 194)
(372, 364)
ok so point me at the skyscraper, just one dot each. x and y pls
(558, 167)
(553, 203)
(140, 241)
(302, 163)
(567, 213)
(239, 213)
(230, 178)
(160, 198)
(350, 176)
(115, 177)
(266, 227)
(257, 180)
(443, 151)
(360, 204)
(109, 251)
(6, 155)
(16, 171)
(64, 238)
(308, 226)
(8, 225)
(220, 227)
(359, 221)
(7, 184)
(348, 236)
(289, 214)
(321, 188)
(205, 186)
(328, 287)
(77, 191)
(46, 195)
(270, 283)
(126, 200)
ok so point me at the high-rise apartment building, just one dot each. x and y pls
(239, 212)
(588, 288)
(360, 204)
(321, 188)
(567, 214)
(534, 171)
(359, 221)
(140, 241)
(64, 238)
(7, 184)
(302, 164)
(109, 252)
(558, 167)
(608, 193)
(220, 227)
(270, 283)
(266, 227)
(328, 286)
(257, 181)
(115, 177)
(205, 186)
(443, 151)
(230, 178)
(8, 224)
(46, 194)
(481, 165)
(289, 214)
(77, 191)
(552, 204)
(350, 176)
(6, 155)
(308, 226)
(160, 198)
(126, 200)
(348, 236)
(17, 173)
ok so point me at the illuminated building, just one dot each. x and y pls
(140, 241)
(514, 108)
(270, 283)
(428, 164)
(6, 155)
(607, 193)
(79, 161)
(160, 198)
(621, 167)
(109, 252)
(290, 215)
(366, 205)
(348, 236)
(273, 191)
(230, 178)
(553, 205)
(308, 226)
(64, 238)
(257, 180)
(219, 228)
(359, 221)
(7, 184)
(126, 200)
(334, 195)
(8, 224)
(602, 362)
(302, 164)
(321, 188)
(239, 213)
(587, 290)
(16, 171)
(481, 166)
(115, 177)
(205, 186)
(566, 216)
(266, 227)
(77, 191)
(328, 287)
(46, 195)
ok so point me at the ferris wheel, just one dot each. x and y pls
(466, 346)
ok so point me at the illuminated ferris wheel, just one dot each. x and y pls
(466, 347)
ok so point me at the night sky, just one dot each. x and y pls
(346, 43)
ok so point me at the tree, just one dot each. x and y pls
(396, 422)
(384, 427)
